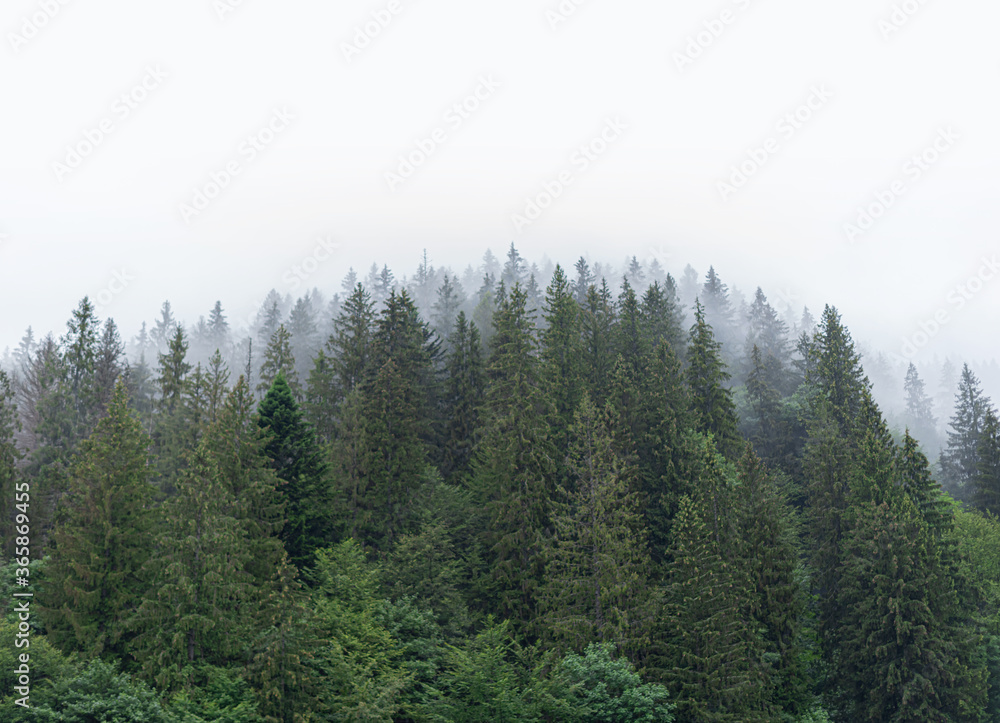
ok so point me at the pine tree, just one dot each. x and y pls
(303, 483)
(9, 457)
(450, 298)
(348, 348)
(171, 432)
(769, 334)
(513, 469)
(462, 399)
(709, 657)
(165, 328)
(706, 376)
(919, 409)
(900, 658)
(560, 353)
(661, 317)
(838, 374)
(597, 323)
(597, 560)
(318, 406)
(92, 581)
(109, 364)
(987, 479)
(278, 359)
(960, 460)
(218, 329)
(584, 280)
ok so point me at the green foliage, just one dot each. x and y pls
(301, 471)
(279, 359)
(217, 695)
(596, 687)
(100, 694)
(711, 400)
(93, 585)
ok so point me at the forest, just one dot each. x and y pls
(520, 492)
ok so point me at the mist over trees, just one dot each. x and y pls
(517, 491)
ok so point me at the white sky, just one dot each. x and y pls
(653, 191)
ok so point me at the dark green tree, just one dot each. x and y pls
(463, 397)
(303, 482)
(960, 459)
(92, 582)
(278, 359)
(706, 376)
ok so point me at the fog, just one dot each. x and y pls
(839, 154)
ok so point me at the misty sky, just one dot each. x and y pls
(636, 115)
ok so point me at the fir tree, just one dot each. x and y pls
(348, 348)
(463, 398)
(92, 583)
(960, 460)
(279, 359)
(987, 479)
(513, 469)
(302, 474)
(10, 516)
(597, 561)
(560, 354)
(706, 376)
(919, 408)
(597, 323)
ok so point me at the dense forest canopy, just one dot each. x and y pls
(518, 493)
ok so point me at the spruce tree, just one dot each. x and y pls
(960, 459)
(561, 356)
(463, 397)
(278, 358)
(838, 374)
(706, 376)
(987, 480)
(596, 589)
(597, 323)
(514, 466)
(919, 409)
(348, 347)
(10, 455)
(661, 317)
(92, 582)
(304, 487)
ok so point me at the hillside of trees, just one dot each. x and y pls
(519, 493)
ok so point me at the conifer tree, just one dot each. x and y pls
(597, 561)
(450, 298)
(919, 409)
(93, 583)
(661, 317)
(709, 657)
(584, 280)
(960, 460)
(318, 406)
(278, 359)
(838, 374)
(463, 397)
(303, 484)
(560, 353)
(987, 479)
(513, 469)
(348, 347)
(706, 376)
(597, 323)
(165, 327)
(9, 457)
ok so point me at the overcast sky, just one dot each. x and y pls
(638, 117)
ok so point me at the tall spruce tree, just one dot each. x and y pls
(596, 575)
(10, 455)
(987, 480)
(279, 359)
(561, 356)
(960, 459)
(514, 465)
(706, 376)
(465, 387)
(93, 584)
(304, 486)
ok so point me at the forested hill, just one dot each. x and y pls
(525, 494)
